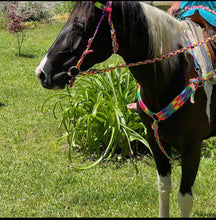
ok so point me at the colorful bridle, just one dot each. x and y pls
(177, 102)
(74, 70)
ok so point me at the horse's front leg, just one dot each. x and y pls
(190, 163)
(163, 176)
(164, 189)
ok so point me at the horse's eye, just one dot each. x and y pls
(78, 26)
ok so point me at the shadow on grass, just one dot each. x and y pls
(2, 104)
(26, 55)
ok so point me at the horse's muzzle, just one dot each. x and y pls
(58, 81)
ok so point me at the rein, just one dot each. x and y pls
(176, 103)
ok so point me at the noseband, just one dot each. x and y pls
(107, 8)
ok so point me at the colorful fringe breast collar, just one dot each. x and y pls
(166, 112)
(172, 107)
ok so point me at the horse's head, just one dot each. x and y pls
(70, 44)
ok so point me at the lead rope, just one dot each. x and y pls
(159, 58)
(153, 60)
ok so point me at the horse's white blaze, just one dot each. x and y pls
(185, 202)
(164, 188)
(40, 66)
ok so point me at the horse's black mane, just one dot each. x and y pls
(133, 18)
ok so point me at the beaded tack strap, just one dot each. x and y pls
(159, 58)
(156, 59)
(172, 107)
(102, 7)
(195, 7)
(175, 104)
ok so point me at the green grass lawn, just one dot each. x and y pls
(37, 180)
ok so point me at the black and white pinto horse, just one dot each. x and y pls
(143, 32)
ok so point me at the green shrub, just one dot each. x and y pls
(95, 116)
(163, 7)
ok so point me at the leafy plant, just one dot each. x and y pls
(95, 116)
(208, 148)
(15, 25)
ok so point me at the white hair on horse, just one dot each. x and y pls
(166, 34)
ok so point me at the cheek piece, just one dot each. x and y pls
(107, 8)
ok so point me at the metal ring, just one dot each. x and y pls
(197, 69)
(75, 71)
(155, 117)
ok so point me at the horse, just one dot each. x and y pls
(139, 32)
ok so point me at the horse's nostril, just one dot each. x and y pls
(42, 76)
(38, 72)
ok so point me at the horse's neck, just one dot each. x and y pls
(157, 83)
(158, 87)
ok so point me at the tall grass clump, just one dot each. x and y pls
(95, 116)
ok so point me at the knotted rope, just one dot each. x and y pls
(153, 60)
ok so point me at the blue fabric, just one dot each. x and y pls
(208, 16)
